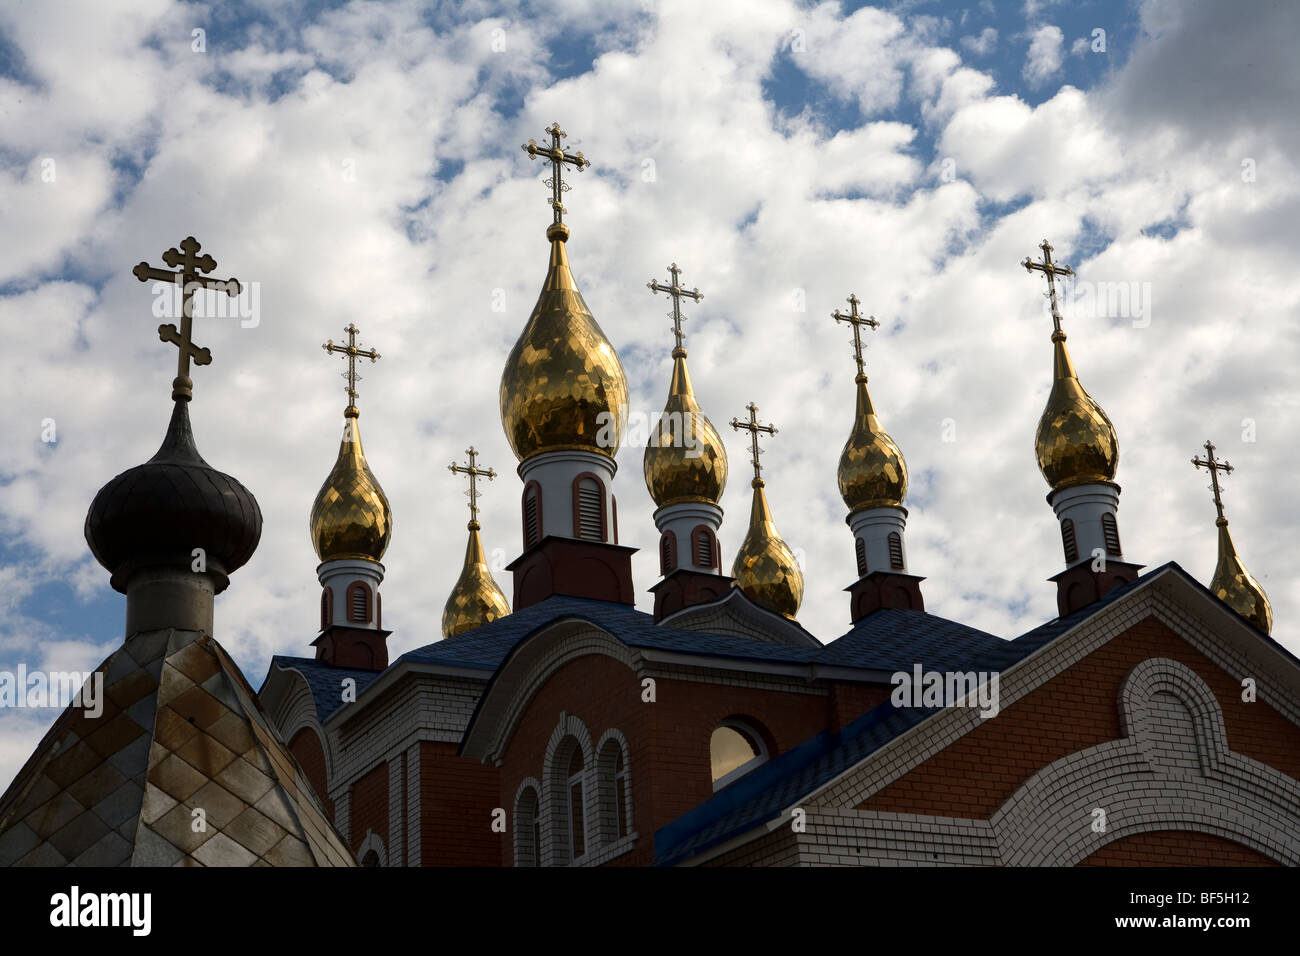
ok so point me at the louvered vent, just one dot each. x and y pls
(1110, 530)
(667, 559)
(589, 510)
(860, 548)
(360, 605)
(532, 522)
(703, 549)
(1068, 539)
(895, 550)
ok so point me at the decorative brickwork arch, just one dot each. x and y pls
(1172, 770)
(614, 776)
(570, 742)
(372, 851)
(527, 823)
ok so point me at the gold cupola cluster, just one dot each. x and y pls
(1232, 583)
(563, 386)
(475, 599)
(685, 460)
(765, 568)
(1076, 443)
(872, 472)
(351, 518)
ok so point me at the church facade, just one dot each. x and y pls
(1154, 721)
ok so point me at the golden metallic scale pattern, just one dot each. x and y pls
(1076, 443)
(563, 383)
(1232, 583)
(765, 568)
(351, 517)
(678, 470)
(872, 472)
(1236, 587)
(475, 600)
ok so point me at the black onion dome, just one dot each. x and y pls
(156, 514)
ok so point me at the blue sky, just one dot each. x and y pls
(361, 162)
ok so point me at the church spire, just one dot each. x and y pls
(685, 468)
(564, 406)
(169, 718)
(1078, 454)
(1232, 583)
(765, 568)
(872, 479)
(475, 599)
(351, 525)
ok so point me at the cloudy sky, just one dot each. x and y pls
(360, 162)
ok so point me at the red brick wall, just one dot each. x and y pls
(306, 747)
(457, 797)
(1176, 848)
(668, 741)
(370, 806)
(1076, 709)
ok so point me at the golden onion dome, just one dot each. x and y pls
(1076, 443)
(680, 468)
(563, 386)
(872, 472)
(351, 517)
(765, 568)
(475, 600)
(1236, 587)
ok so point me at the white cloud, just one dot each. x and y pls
(983, 44)
(245, 148)
(1044, 56)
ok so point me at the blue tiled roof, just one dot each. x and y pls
(896, 639)
(324, 681)
(761, 795)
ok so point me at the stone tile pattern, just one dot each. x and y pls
(181, 731)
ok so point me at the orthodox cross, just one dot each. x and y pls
(353, 353)
(1215, 466)
(857, 321)
(1050, 269)
(191, 269)
(753, 427)
(677, 292)
(558, 157)
(474, 473)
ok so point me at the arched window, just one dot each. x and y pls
(326, 607)
(1110, 531)
(575, 796)
(359, 602)
(860, 550)
(532, 514)
(702, 546)
(735, 749)
(1068, 539)
(667, 552)
(614, 795)
(895, 550)
(588, 508)
(528, 829)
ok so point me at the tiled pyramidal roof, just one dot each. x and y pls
(181, 731)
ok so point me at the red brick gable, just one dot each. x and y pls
(668, 740)
(1176, 848)
(370, 806)
(1074, 710)
(307, 748)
